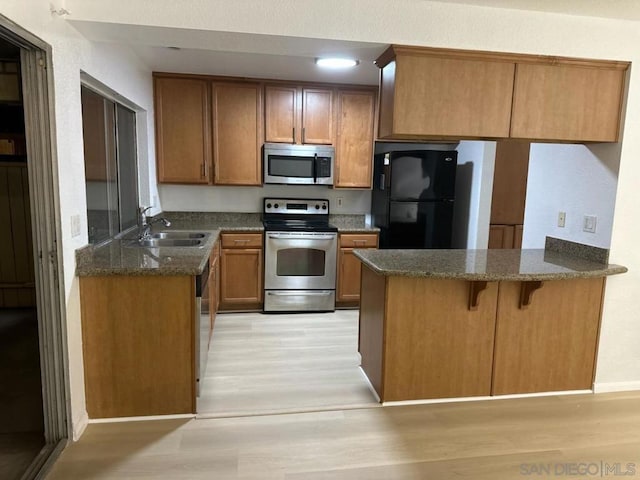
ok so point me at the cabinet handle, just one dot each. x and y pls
(239, 240)
(302, 134)
(360, 242)
(293, 136)
(203, 170)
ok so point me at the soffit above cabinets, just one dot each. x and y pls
(238, 54)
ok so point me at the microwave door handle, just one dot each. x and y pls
(315, 168)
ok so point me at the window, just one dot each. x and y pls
(111, 173)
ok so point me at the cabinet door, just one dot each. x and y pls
(240, 278)
(317, 116)
(183, 140)
(281, 114)
(447, 97)
(237, 133)
(567, 103)
(551, 344)
(510, 182)
(354, 148)
(348, 276)
(501, 236)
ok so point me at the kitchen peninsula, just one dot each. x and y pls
(466, 323)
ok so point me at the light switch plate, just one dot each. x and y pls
(75, 225)
(589, 223)
(562, 217)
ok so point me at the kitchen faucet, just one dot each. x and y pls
(145, 222)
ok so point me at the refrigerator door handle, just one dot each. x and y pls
(382, 182)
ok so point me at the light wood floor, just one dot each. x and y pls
(282, 363)
(484, 440)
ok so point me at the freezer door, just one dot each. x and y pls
(419, 225)
(423, 175)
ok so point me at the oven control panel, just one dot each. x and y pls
(296, 206)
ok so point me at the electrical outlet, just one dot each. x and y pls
(75, 225)
(589, 223)
(340, 201)
(562, 217)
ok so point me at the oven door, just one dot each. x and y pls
(300, 260)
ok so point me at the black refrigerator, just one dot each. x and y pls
(412, 198)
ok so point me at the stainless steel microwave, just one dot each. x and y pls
(298, 164)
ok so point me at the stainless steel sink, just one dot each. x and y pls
(178, 235)
(170, 242)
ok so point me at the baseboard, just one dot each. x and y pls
(142, 418)
(80, 425)
(607, 387)
(483, 398)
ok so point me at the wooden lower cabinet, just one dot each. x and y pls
(421, 338)
(138, 345)
(241, 267)
(349, 267)
(551, 344)
(505, 236)
(418, 339)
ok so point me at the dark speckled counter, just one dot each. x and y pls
(119, 258)
(484, 265)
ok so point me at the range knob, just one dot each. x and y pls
(324, 207)
(275, 206)
(268, 205)
(317, 207)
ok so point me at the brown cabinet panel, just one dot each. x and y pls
(138, 341)
(501, 236)
(550, 345)
(317, 116)
(567, 102)
(517, 236)
(241, 271)
(435, 347)
(349, 267)
(354, 146)
(510, 182)
(183, 137)
(439, 96)
(241, 240)
(359, 240)
(281, 113)
(237, 133)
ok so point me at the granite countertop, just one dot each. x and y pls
(118, 258)
(484, 265)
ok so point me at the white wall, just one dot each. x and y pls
(474, 184)
(575, 179)
(120, 70)
(439, 24)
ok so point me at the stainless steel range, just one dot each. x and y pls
(300, 255)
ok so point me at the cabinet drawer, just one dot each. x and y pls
(365, 240)
(241, 240)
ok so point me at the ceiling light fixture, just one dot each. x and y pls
(332, 62)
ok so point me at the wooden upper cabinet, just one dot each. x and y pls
(183, 138)
(237, 133)
(430, 93)
(568, 102)
(354, 146)
(281, 113)
(317, 116)
(295, 114)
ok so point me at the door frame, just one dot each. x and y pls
(42, 167)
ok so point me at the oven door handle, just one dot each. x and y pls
(298, 236)
(293, 294)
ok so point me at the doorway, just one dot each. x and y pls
(21, 407)
(34, 418)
